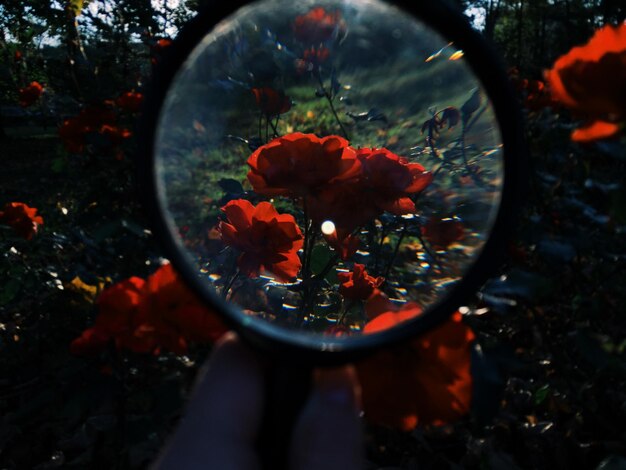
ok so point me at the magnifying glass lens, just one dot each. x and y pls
(330, 169)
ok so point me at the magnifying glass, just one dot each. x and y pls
(331, 176)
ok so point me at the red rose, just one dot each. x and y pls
(425, 382)
(590, 81)
(28, 95)
(300, 164)
(389, 179)
(269, 241)
(130, 101)
(317, 26)
(358, 285)
(22, 218)
(271, 102)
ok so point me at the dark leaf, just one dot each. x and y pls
(375, 114)
(231, 186)
(451, 115)
(320, 257)
(471, 106)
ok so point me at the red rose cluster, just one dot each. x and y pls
(317, 26)
(335, 181)
(146, 316)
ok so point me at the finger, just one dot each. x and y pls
(328, 432)
(219, 427)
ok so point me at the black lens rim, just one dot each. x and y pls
(487, 67)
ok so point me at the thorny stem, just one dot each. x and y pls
(330, 103)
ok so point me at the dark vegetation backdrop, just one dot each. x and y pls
(550, 373)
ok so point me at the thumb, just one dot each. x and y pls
(328, 432)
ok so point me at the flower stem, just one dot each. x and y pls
(273, 125)
(330, 103)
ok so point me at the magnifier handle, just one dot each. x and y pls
(287, 388)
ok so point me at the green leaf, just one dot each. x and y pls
(320, 257)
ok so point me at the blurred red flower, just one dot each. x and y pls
(28, 95)
(115, 134)
(17, 56)
(271, 102)
(358, 285)
(441, 233)
(130, 101)
(157, 49)
(72, 133)
(424, 382)
(594, 131)
(590, 79)
(316, 55)
(22, 218)
(384, 314)
(388, 180)
(146, 316)
(300, 164)
(269, 241)
(317, 26)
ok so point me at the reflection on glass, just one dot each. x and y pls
(332, 168)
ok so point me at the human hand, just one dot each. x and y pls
(221, 424)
